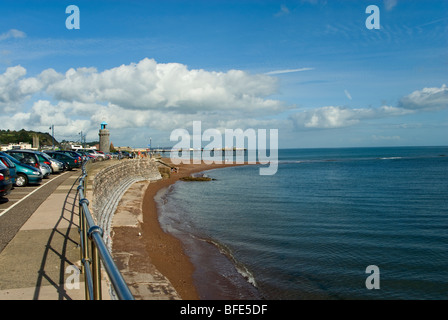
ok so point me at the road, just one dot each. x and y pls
(20, 204)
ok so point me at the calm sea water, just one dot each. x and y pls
(311, 230)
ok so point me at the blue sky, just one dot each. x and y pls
(309, 68)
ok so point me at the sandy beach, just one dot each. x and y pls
(166, 251)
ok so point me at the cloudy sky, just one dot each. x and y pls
(309, 68)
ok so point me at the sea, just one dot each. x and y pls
(348, 223)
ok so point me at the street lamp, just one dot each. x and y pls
(83, 138)
(52, 134)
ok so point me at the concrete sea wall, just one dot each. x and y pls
(110, 184)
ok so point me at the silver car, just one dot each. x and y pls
(55, 165)
(45, 169)
(60, 165)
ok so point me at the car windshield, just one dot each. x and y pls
(17, 162)
(45, 156)
(41, 157)
(14, 160)
(27, 158)
(59, 155)
(8, 162)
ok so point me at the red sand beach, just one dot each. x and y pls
(166, 251)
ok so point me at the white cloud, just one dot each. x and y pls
(12, 89)
(139, 95)
(315, 2)
(426, 99)
(13, 33)
(348, 95)
(283, 11)
(338, 117)
(15, 88)
(44, 113)
(288, 71)
(326, 117)
(163, 97)
(148, 85)
(311, 1)
(390, 4)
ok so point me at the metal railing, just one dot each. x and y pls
(94, 252)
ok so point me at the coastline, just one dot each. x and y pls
(165, 250)
(303, 263)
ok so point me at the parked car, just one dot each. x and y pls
(45, 169)
(26, 174)
(105, 155)
(86, 156)
(11, 166)
(96, 154)
(30, 157)
(25, 156)
(73, 154)
(55, 165)
(112, 155)
(68, 160)
(45, 164)
(5, 180)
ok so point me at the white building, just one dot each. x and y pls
(16, 146)
(76, 147)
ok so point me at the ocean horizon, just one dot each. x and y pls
(311, 230)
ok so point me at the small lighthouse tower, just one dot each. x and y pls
(104, 138)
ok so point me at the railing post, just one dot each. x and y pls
(84, 182)
(96, 263)
(85, 249)
(80, 230)
(96, 266)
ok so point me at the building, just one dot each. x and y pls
(15, 146)
(76, 147)
(36, 142)
(104, 138)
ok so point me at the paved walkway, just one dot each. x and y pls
(39, 262)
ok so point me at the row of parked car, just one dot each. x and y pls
(22, 167)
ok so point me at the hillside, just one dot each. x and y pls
(8, 136)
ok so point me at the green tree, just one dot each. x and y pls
(24, 136)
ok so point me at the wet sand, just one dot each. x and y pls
(165, 250)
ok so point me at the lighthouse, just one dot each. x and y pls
(104, 138)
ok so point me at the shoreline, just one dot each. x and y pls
(165, 250)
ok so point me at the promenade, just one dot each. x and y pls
(40, 257)
(36, 263)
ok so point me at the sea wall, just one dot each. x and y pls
(110, 184)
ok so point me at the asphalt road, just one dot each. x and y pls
(20, 204)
